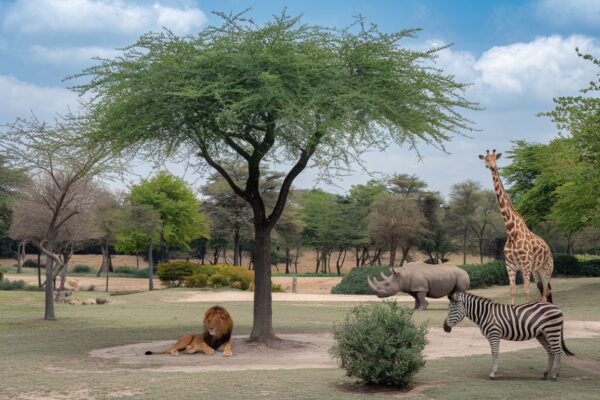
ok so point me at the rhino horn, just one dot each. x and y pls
(372, 284)
(384, 277)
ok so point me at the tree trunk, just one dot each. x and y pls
(236, 246)
(481, 250)
(262, 327)
(465, 245)
(150, 267)
(296, 259)
(161, 243)
(287, 259)
(318, 262)
(137, 262)
(570, 249)
(393, 248)
(49, 291)
(20, 252)
(39, 267)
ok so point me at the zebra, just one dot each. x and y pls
(543, 321)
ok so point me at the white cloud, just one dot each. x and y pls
(97, 16)
(20, 99)
(571, 12)
(529, 73)
(70, 55)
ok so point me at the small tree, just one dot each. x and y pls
(63, 164)
(464, 200)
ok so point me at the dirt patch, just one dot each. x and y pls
(218, 297)
(584, 364)
(83, 394)
(297, 351)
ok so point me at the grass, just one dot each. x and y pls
(50, 359)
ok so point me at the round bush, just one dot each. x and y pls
(380, 344)
(29, 263)
(82, 268)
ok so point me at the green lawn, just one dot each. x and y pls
(49, 359)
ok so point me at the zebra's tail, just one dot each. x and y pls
(562, 343)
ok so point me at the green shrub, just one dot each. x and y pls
(276, 288)
(240, 282)
(489, 274)
(195, 280)
(29, 263)
(565, 264)
(355, 282)
(82, 268)
(218, 280)
(132, 272)
(173, 273)
(589, 268)
(380, 344)
(12, 285)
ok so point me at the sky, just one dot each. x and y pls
(516, 56)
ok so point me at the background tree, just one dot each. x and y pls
(177, 207)
(396, 221)
(139, 225)
(487, 223)
(10, 179)
(462, 207)
(62, 163)
(264, 93)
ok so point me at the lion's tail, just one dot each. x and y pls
(157, 352)
(148, 353)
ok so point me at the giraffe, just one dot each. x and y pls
(524, 250)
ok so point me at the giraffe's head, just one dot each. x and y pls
(490, 159)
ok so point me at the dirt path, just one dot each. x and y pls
(297, 351)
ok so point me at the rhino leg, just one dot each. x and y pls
(417, 302)
(423, 303)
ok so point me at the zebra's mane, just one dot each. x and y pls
(485, 299)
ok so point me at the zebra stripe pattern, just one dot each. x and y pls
(542, 321)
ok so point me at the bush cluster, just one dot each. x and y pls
(82, 268)
(380, 344)
(484, 275)
(589, 268)
(173, 273)
(355, 282)
(221, 276)
(12, 285)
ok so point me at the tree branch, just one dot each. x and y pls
(204, 154)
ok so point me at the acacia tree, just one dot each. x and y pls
(57, 156)
(282, 91)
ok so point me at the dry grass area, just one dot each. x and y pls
(306, 264)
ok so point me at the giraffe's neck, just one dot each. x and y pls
(512, 219)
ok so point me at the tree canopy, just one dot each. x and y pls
(282, 91)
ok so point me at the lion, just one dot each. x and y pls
(218, 326)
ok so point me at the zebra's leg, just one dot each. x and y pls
(546, 346)
(423, 303)
(495, 346)
(554, 338)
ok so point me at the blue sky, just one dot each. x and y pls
(517, 55)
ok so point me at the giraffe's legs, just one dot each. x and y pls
(526, 281)
(511, 271)
(495, 346)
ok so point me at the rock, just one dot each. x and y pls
(101, 300)
(89, 301)
(74, 302)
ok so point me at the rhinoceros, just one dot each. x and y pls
(421, 280)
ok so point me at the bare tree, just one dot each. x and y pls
(395, 222)
(64, 166)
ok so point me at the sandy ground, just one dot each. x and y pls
(305, 284)
(219, 297)
(297, 351)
